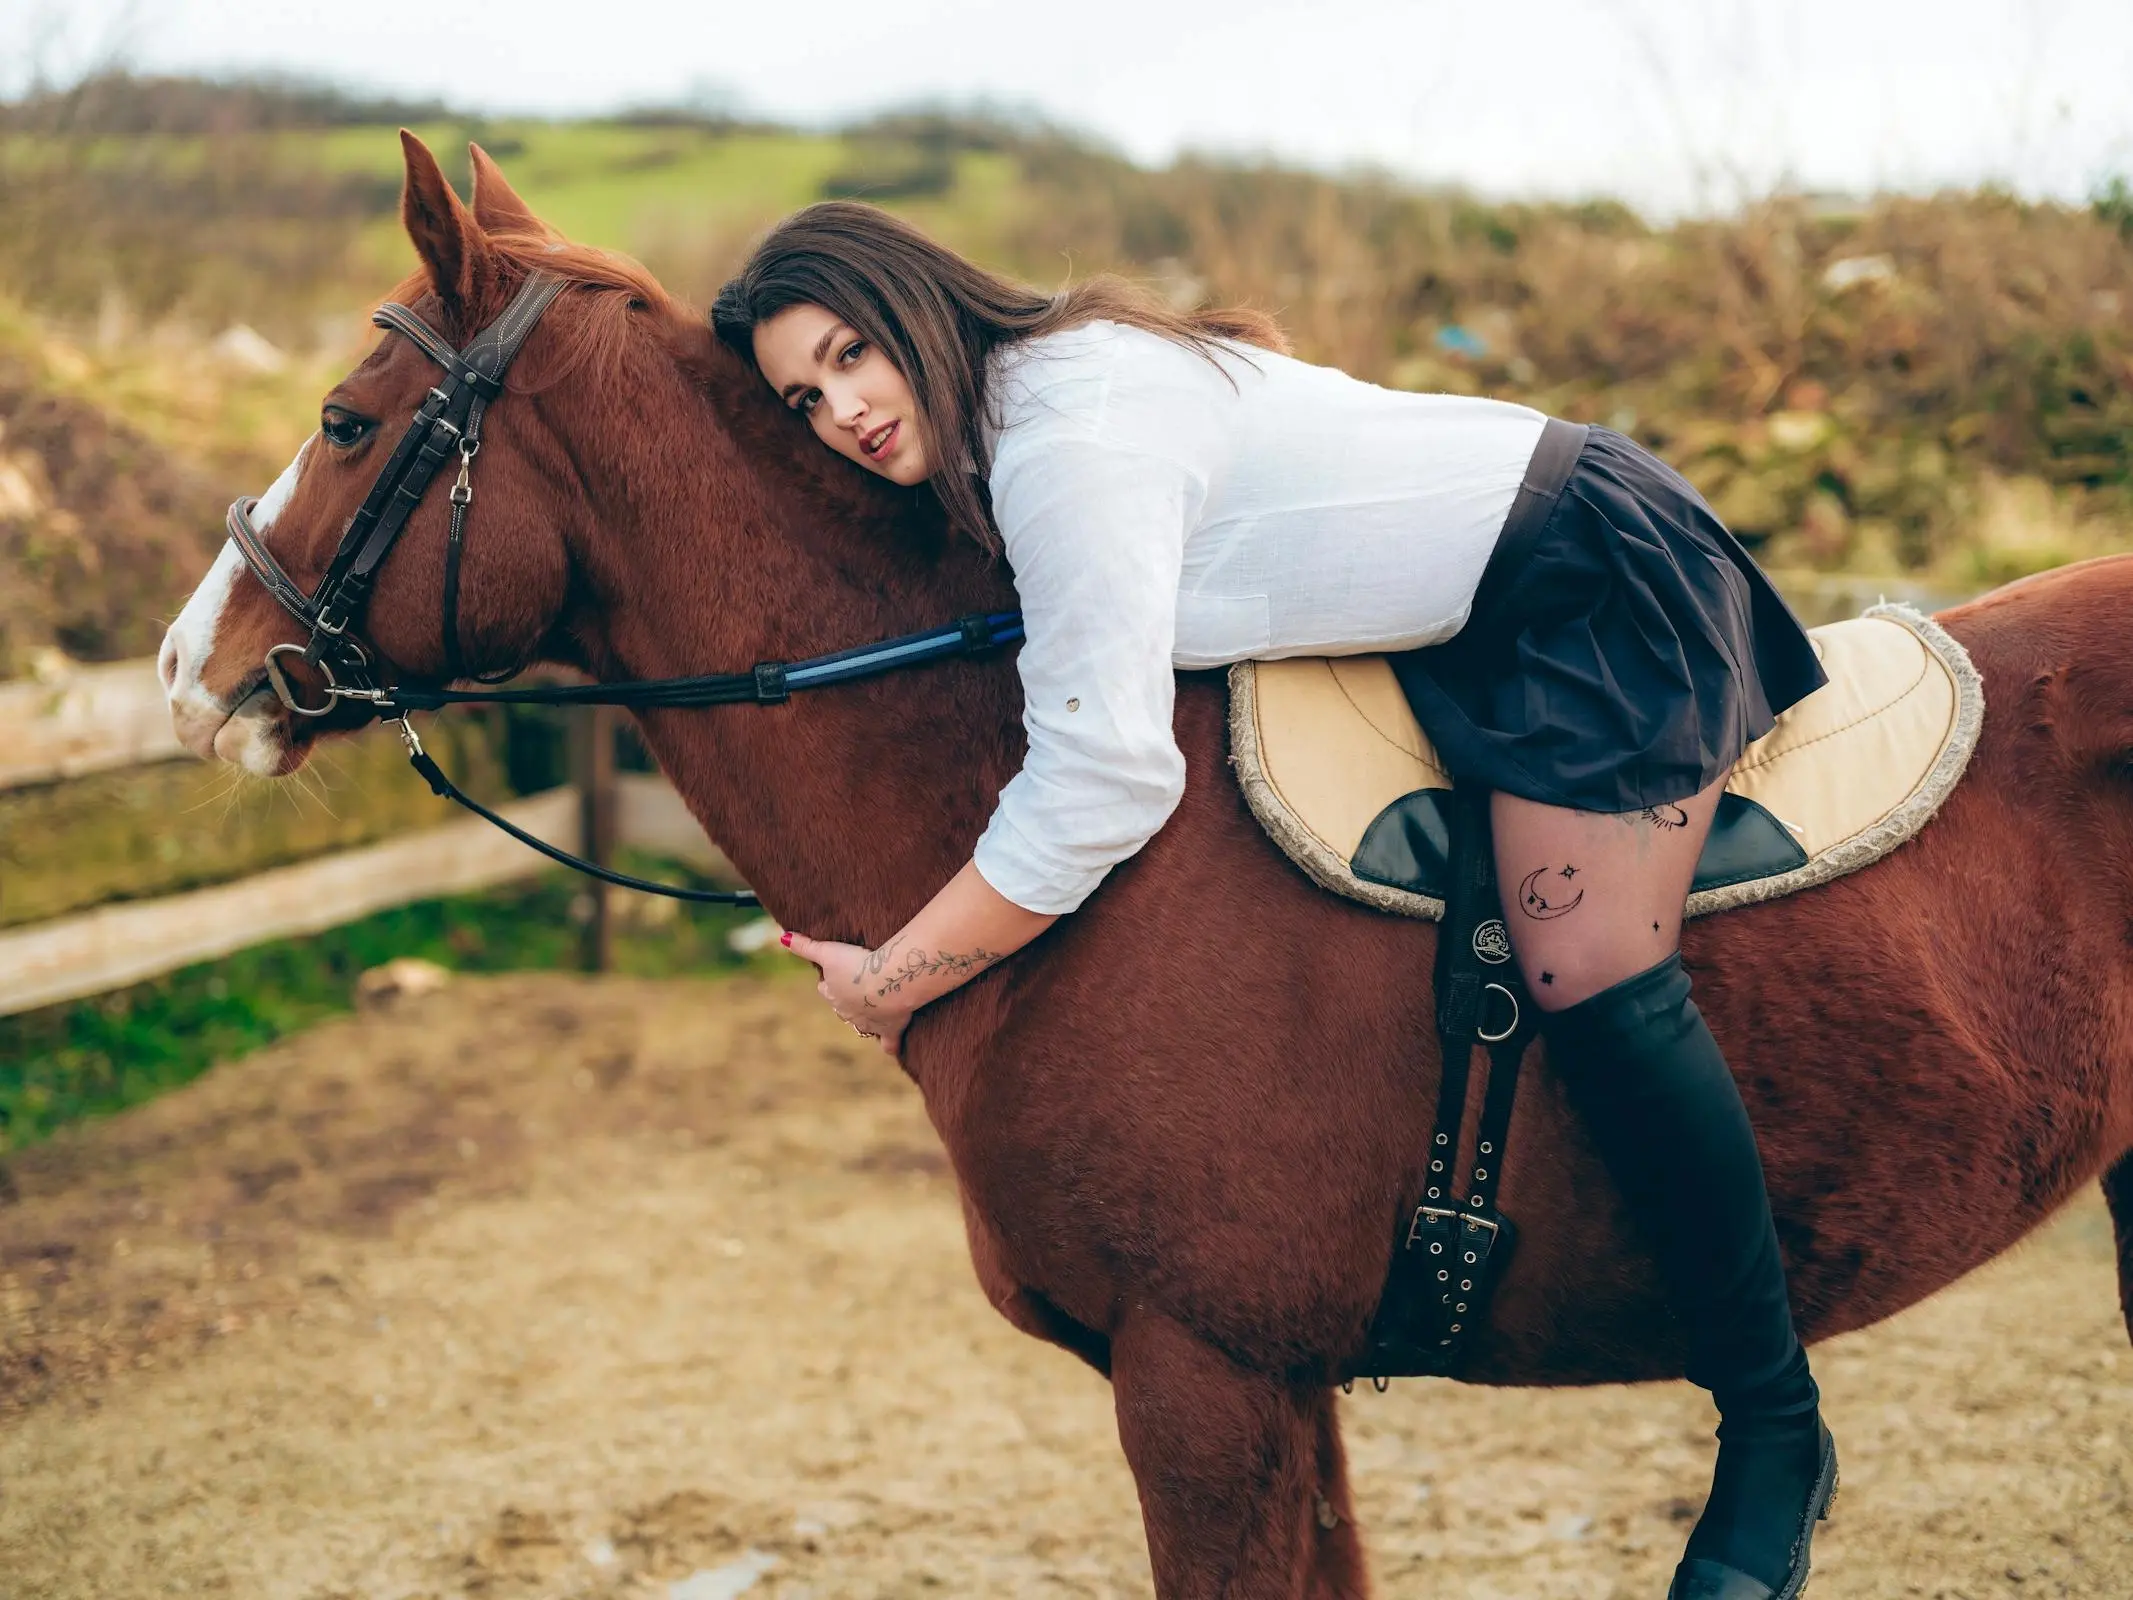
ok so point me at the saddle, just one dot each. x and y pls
(1334, 765)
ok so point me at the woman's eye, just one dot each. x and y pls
(342, 430)
(853, 351)
(807, 401)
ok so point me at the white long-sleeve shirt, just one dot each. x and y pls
(1161, 513)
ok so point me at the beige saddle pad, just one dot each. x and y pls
(1334, 765)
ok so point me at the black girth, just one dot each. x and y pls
(1451, 1248)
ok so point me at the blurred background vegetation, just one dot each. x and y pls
(1936, 387)
(1926, 391)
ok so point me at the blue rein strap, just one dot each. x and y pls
(771, 683)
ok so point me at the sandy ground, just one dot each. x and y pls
(550, 1287)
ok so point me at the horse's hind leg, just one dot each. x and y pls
(2118, 1195)
(1239, 1473)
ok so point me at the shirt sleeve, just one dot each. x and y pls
(1095, 531)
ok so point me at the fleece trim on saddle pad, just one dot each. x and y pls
(1336, 769)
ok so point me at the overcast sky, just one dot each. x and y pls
(1673, 104)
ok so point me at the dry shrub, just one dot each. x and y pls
(99, 530)
(1845, 383)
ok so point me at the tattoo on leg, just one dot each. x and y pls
(1547, 977)
(1666, 817)
(1534, 901)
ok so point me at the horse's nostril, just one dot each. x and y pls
(168, 660)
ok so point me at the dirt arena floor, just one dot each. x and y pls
(551, 1287)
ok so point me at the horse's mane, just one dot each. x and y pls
(598, 336)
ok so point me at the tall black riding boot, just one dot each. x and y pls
(1644, 1071)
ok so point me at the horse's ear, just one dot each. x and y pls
(497, 207)
(444, 232)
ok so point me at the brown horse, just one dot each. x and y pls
(1185, 1121)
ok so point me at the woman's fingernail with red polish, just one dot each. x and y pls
(786, 940)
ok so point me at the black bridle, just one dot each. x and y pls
(448, 423)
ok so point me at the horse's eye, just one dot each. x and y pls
(344, 430)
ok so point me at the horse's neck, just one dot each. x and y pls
(845, 808)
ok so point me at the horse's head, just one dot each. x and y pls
(531, 500)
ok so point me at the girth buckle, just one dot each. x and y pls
(1426, 1214)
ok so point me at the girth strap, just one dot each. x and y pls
(1452, 1247)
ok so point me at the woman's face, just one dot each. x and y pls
(860, 404)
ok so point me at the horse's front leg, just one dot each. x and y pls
(1243, 1488)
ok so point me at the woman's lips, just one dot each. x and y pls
(879, 443)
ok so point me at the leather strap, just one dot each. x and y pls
(442, 786)
(1453, 1247)
(1548, 469)
(399, 319)
(769, 683)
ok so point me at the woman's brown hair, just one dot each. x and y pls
(939, 317)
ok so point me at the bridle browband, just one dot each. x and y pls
(448, 422)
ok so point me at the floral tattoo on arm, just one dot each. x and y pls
(896, 970)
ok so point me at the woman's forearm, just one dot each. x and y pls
(960, 932)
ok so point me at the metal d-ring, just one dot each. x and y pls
(1510, 1027)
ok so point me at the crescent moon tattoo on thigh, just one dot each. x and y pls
(1534, 902)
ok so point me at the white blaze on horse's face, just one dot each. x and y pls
(248, 732)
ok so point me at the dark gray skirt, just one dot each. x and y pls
(1623, 648)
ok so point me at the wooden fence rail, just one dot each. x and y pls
(115, 945)
(94, 718)
(87, 719)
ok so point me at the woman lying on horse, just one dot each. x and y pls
(1581, 635)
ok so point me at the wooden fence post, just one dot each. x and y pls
(592, 771)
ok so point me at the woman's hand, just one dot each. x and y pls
(961, 931)
(846, 971)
